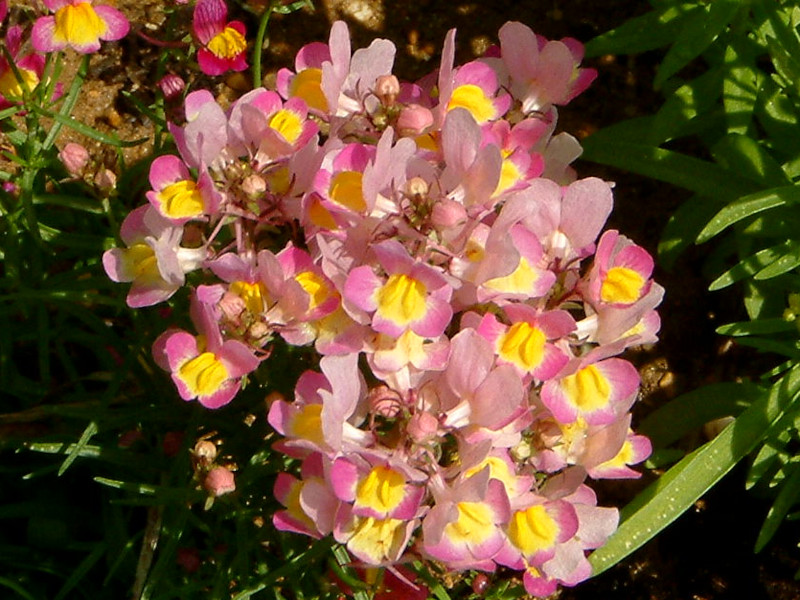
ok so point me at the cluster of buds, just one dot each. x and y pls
(436, 230)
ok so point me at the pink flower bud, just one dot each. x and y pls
(254, 186)
(105, 179)
(413, 120)
(75, 158)
(422, 427)
(173, 440)
(172, 86)
(447, 213)
(219, 481)
(189, 559)
(205, 452)
(386, 88)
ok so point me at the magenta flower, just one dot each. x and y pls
(29, 66)
(78, 24)
(224, 45)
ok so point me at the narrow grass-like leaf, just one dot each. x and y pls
(81, 570)
(790, 492)
(696, 34)
(747, 206)
(767, 461)
(82, 203)
(743, 155)
(651, 30)
(784, 264)
(89, 132)
(681, 486)
(700, 176)
(741, 85)
(684, 104)
(690, 411)
(758, 327)
(750, 265)
(17, 588)
(75, 452)
(682, 228)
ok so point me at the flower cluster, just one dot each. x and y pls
(450, 270)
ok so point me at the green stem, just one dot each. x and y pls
(259, 49)
(69, 101)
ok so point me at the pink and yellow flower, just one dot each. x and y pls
(29, 69)
(176, 195)
(78, 24)
(224, 44)
(621, 272)
(413, 296)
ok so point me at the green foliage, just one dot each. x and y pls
(730, 73)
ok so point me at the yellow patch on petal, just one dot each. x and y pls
(141, 260)
(588, 389)
(509, 176)
(472, 98)
(401, 300)
(378, 539)
(307, 84)
(523, 345)
(315, 286)
(321, 216)
(346, 189)
(12, 88)
(474, 251)
(498, 469)
(623, 458)
(427, 141)
(294, 508)
(307, 424)
(519, 281)
(279, 180)
(78, 24)
(227, 44)
(253, 295)
(288, 124)
(622, 286)
(382, 489)
(181, 200)
(532, 530)
(474, 523)
(203, 374)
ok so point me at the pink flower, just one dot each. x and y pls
(78, 24)
(30, 68)
(224, 45)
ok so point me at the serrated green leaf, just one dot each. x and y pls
(666, 499)
(747, 206)
(647, 32)
(759, 327)
(697, 32)
(690, 411)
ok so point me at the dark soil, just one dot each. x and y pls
(707, 554)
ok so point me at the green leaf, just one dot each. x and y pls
(666, 499)
(690, 411)
(77, 449)
(750, 265)
(741, 85)
(700, 176)
(89, 132)
(81, 570)
(682, 228)
(790, 492)
(759, 327)
(743, 155)
(784, 264)
(747, 206)
(696, 34)
(652, 30)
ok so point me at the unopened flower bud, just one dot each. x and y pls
(74, 157)
(447, 213)
(413, 120)
(386, 89)
(219, 481)
(105, 179)
(171, 86)
(384, 401)
(422, 427)
(205, 452)
(254, 186)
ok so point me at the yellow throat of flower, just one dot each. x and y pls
(78, 24)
